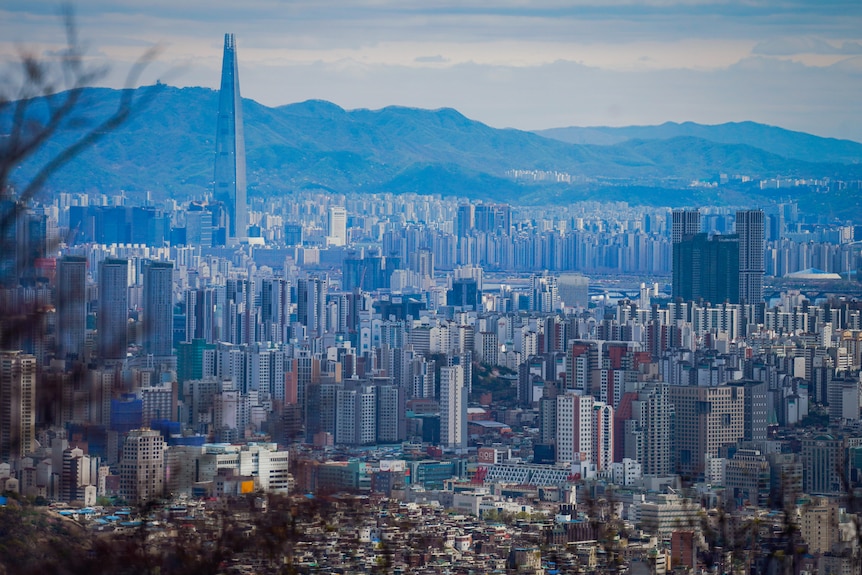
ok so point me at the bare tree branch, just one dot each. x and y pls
(28, 135)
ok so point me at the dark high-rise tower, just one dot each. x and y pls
(707, 268)
(229, 180)
(113, 308)
(685, 225)
(749, 228)
(71, 307)
(158, 309)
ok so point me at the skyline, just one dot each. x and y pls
(795, 64)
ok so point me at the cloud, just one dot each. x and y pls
(565, 93)
(438, 59)
(796, 45)
(530, 65)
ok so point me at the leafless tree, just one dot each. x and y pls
(39, 97)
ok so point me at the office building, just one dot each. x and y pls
(573, 290)
(336, 226)
(706, 268)
(747, 478)
(706, 418)
(293, 234)
(113, 308)
(822, 464)
(230, 177)
(685, 225)
(465, 294)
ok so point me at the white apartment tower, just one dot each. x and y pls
(453, 407)
(574, 428)
(603, 435)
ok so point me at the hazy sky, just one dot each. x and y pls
(509, 63)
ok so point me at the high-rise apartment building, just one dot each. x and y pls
(200, 319)
(71, 307)
(75, 475)
(158, 321)
(603, 435)
(647, 428)
(749, 228)
(453, 407)
(543, 294)
(311, 303)
(17, 405)
(142, 468)
(574, 428)
(684, 223)
(496, 218)
(465, 220)
(229, 181)
(582, 365)
(113, 308)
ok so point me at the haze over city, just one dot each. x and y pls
(528, 65)
(242, 338)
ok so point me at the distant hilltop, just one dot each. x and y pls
(167, 148)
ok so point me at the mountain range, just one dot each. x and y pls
(167, 148)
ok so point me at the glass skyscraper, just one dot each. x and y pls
(229, 181)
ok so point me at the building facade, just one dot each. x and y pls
(230, 175)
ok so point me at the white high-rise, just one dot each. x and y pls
(574, 428)
(603, 435)
(453, 407)
(336, 226)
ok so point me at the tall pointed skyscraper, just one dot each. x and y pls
(229, 181)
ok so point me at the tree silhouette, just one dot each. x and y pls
(39, 98)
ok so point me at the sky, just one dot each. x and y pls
(523, 64)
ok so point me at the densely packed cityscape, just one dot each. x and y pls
(435, 385)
